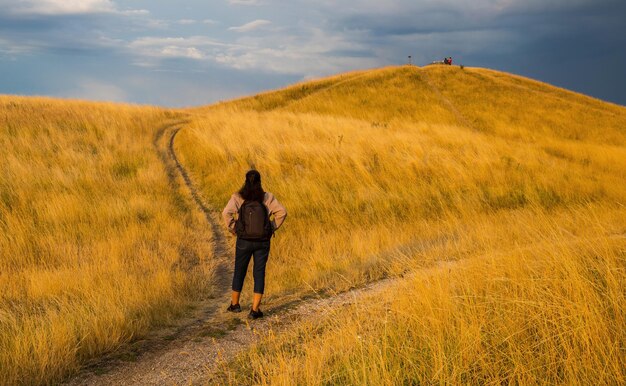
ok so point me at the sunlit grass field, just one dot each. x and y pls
(549, 312)
(385, 173)
(517, 186)
(91, 235)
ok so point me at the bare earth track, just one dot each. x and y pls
(193, 350)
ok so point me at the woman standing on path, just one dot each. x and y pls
(247, 215)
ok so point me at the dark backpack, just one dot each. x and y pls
(253, 222)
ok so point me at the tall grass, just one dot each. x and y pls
(358, 189)
(551, 312)
(91, 235)
(386, 173)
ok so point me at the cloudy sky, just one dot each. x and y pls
(193, 52)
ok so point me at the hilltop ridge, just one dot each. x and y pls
(480, 99)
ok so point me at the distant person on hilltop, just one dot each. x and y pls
(248, 215)
(445, 60)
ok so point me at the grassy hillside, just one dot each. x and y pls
(517, 186)
(359, 181)
(519, 183)
(90, 234)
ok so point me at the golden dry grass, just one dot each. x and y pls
(358, 188)
(90, 235)
(550, 312)
(384, 173)
(517, 184)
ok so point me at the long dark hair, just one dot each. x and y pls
(252, 189)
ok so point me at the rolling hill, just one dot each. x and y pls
(495, 201)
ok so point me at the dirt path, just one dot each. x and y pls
(219, 239)
(193, 359)
(192, 350)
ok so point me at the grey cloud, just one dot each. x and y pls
(245, 2)
(255, 24)
(440, 27)
(443, 17)
(149, 51)
(25, 8)
(55, 7)
(67, 32)
(306, 53)
(475, 8)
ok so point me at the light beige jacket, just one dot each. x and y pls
(271, 203)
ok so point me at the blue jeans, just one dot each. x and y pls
(243, 252)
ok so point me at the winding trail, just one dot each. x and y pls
(193, 350)
(219, 246)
